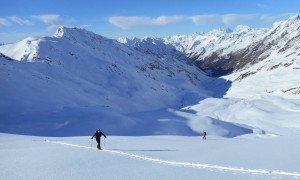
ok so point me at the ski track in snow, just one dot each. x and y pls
(187, 164)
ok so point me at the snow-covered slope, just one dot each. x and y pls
(269, 55)
(77, 80)
(265, 91)
(274, 62)
(229, 49)
(154, 157)
(265, 84)
(205, 48)
(223, 42)
(23, 50)
(264, 70)
(80, 79)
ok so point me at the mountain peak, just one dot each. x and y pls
(220, 31)
(242, 28)
(60, 31)
(64, 31)
(295, 18)
(77, 34)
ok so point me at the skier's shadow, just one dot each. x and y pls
(153, 150)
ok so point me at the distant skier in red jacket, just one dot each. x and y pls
(204, 135)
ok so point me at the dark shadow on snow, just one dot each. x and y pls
(82, 121)
(217, 72)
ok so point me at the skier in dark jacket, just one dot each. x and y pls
(98, 135)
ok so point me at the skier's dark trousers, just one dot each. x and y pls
(98, 135)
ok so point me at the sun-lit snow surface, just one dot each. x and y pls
(152, 157)
(76, 81)
(263, 114)
(201, 45)
(264, 96)
(226, 41)
(279, 72)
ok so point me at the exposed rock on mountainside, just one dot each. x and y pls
(224, 51)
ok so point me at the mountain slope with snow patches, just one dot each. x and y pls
(80, 79)
(143, 91)
(274, 62)
(271, 54)
(77, 80)
(263, 66)
(205, 48)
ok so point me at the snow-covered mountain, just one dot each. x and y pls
(244, 51)
(274, 61)
(205, 48)
(76, 80)
(247, 100)
(80, 79)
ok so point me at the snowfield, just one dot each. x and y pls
(150, 157)
(152, 101)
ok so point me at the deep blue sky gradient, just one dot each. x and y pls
(94, 15)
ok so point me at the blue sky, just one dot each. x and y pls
(137, 18)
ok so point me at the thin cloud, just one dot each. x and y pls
(127, 22)
(267, 18)
(226, 19)
(4, 22)
(206, 19)
(53, 27)
(48, 18)
(230, 19)
(20, 20)
(85, 26)
(162, 20)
